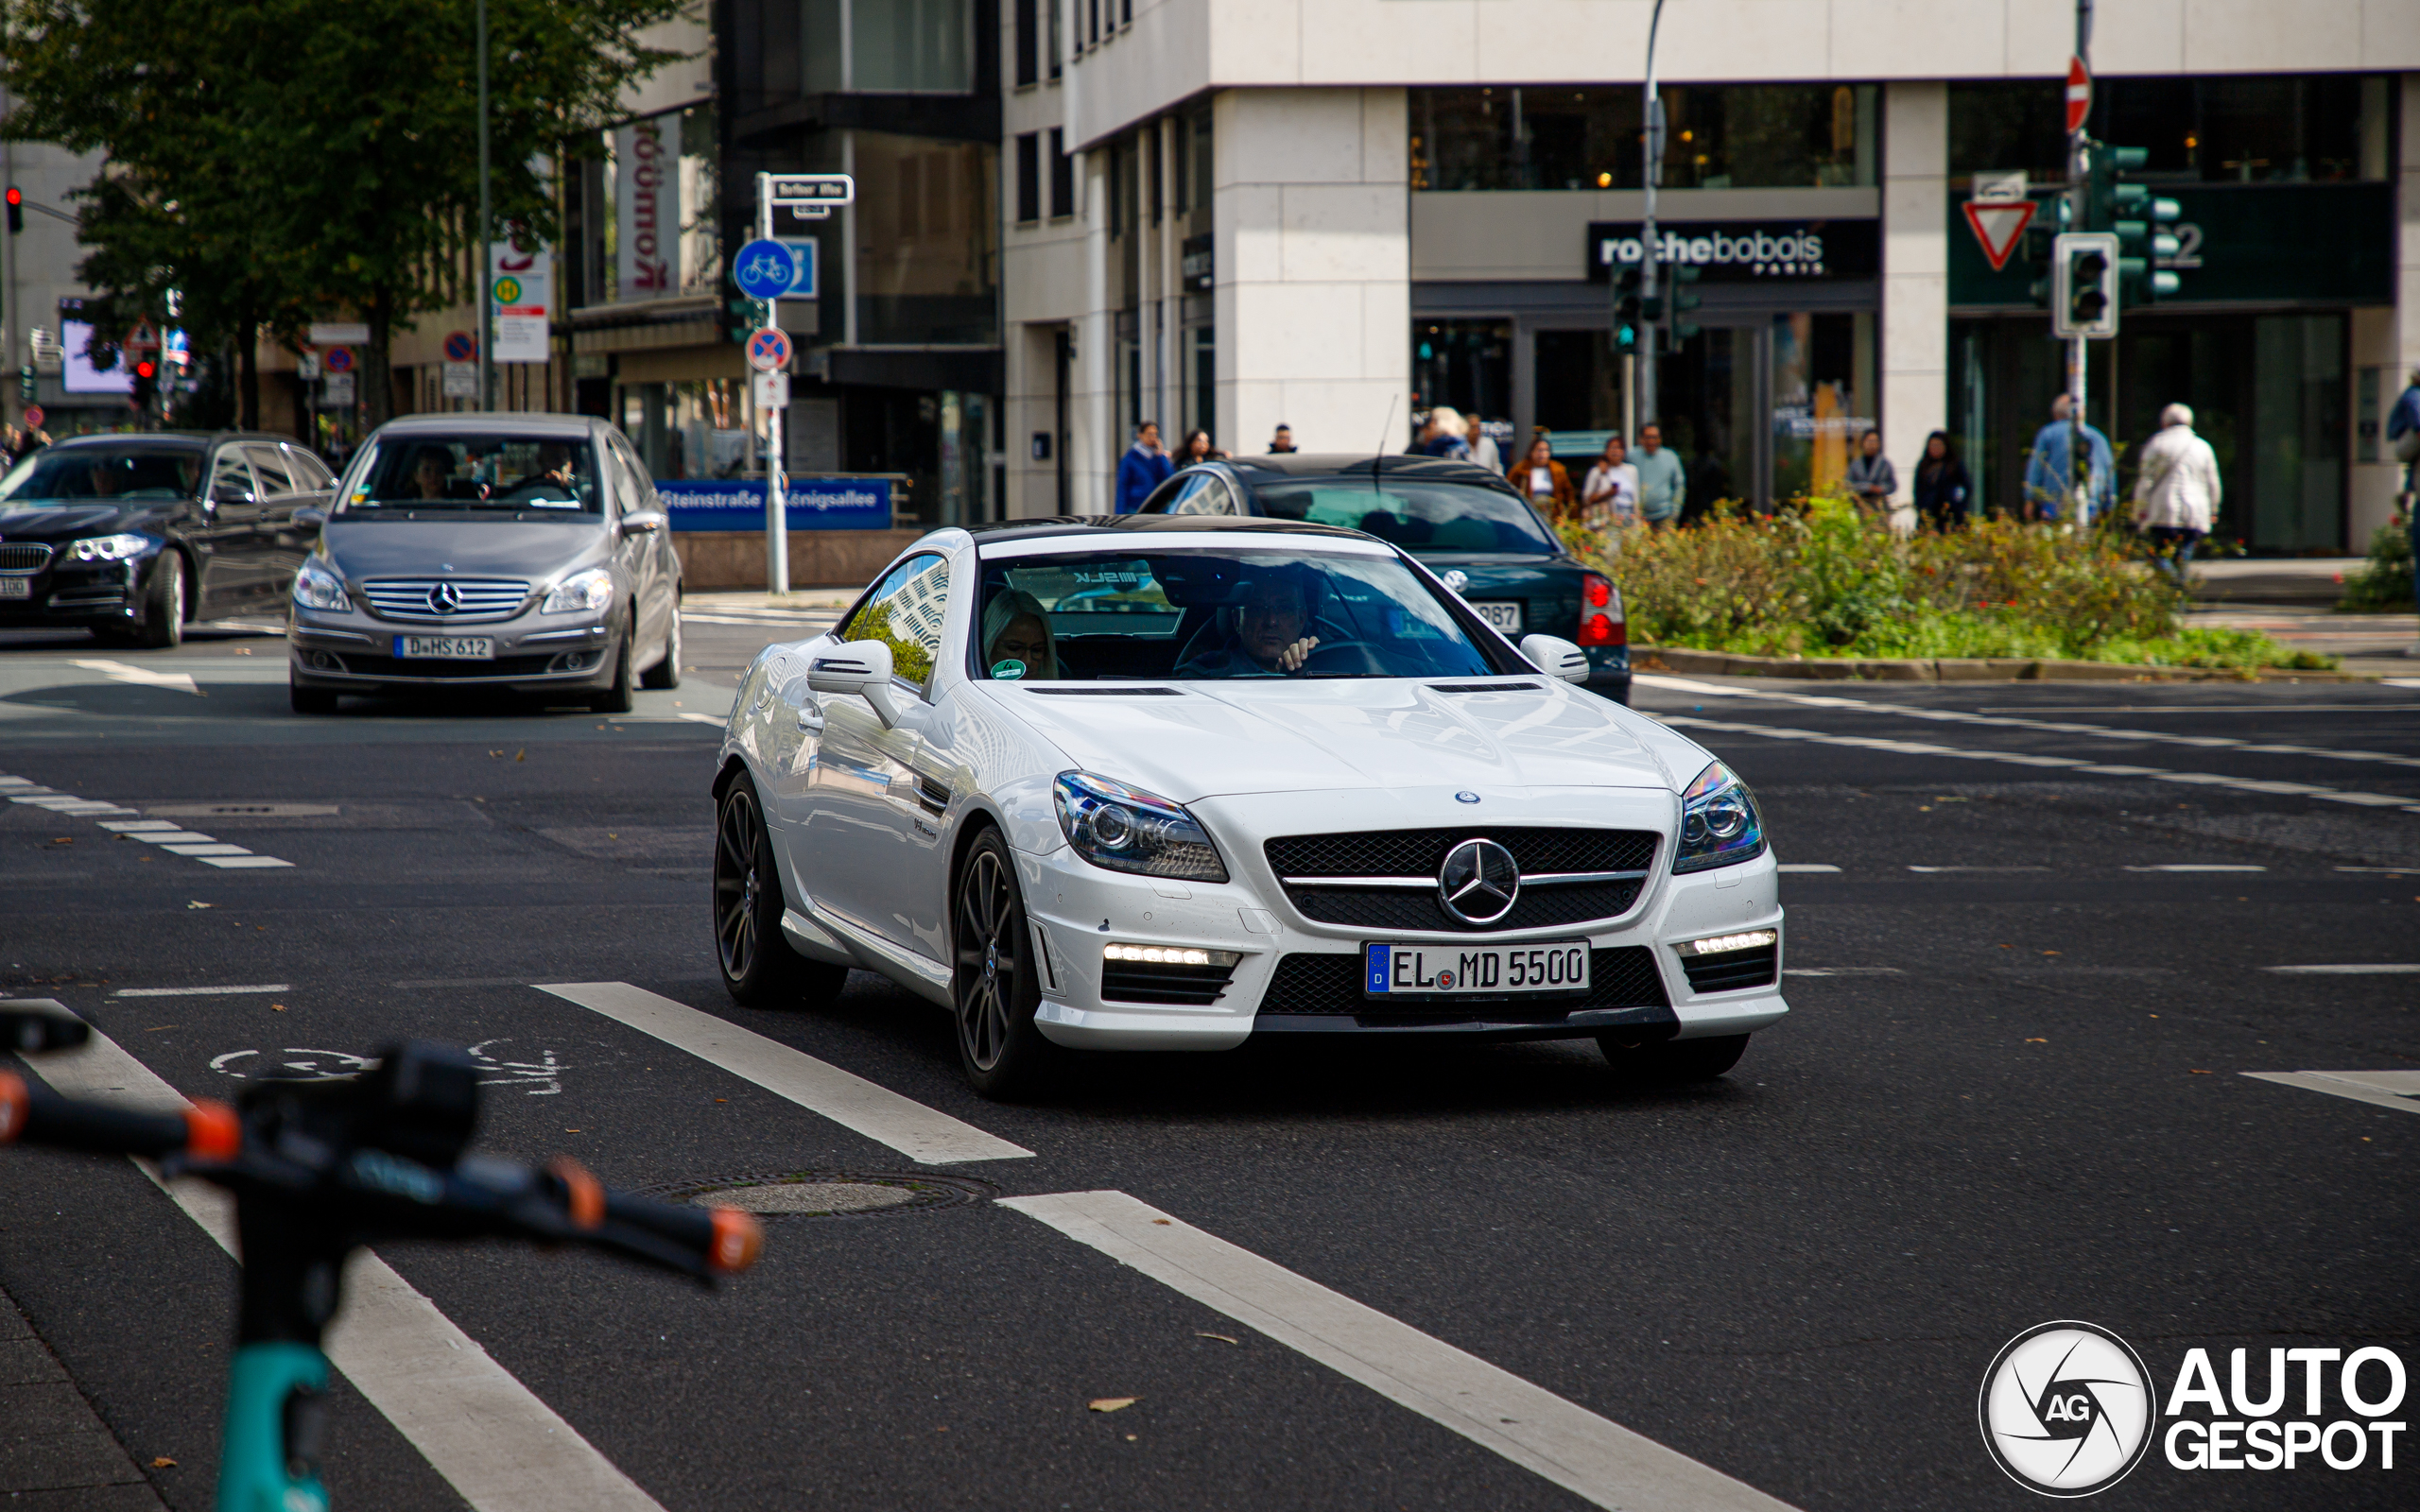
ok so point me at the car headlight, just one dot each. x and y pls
(107, 548)
(1126, 829)
(1719, 822)
(582, 590)
(315, 587)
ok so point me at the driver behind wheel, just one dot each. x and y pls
(1263, 635)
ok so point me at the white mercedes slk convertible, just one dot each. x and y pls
(1167, 783)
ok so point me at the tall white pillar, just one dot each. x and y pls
(1312, 264)
(1915, 272)
(2406, 241)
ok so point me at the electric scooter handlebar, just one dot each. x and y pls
(33, 1114)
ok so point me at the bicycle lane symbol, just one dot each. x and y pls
(539, 1077)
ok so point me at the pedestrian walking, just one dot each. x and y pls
(1281, 442)
(2403, 429)
(1197, 448)
(1483, 445)
(2049, 478)
(1871, 479)
(1442, 436)
(1609, 496)
(2176, 493)
(1662, 483)
(1543, 478)
(1945, 496)
(1144, 467)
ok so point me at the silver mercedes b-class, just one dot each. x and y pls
(516, 551)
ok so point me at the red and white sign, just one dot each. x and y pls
(143, 339)
(1997, 224)
(338, 359)
(33, 417)
(647, 210)
(769, 350)
(2079, 95)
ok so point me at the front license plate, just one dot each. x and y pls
(447, 647)
(1551, 970)
(1506, 617)
(16, 588)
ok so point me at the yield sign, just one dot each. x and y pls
(2079, 95)
(1997, 224)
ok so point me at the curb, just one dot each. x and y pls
(1948, 670)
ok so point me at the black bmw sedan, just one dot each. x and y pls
(1463, 521)
(135, 537)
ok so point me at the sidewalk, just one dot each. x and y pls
(2273, 580)
(2371, 645)
(55, 1452)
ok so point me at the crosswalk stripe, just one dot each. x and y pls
(2380, 1088)
(1587, 1455)
(491, 1436)
(924, 1135)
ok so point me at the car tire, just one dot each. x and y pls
(1674, 1062)
(759, 968)
(616, 699)
(666, 673)
(167, 604)
(310, 701)
(995, 987)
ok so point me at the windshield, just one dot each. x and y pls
(1419, 516)
(487, 472)
(101, 473)
(1213, 615)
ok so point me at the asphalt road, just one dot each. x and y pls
(2012, 1090)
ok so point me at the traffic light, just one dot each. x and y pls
(1625, 308)
(16, 209)
(742, 317)
(25, 384)
(147, 382)
(2135, 216)
(1682, 276)
(2084, 284)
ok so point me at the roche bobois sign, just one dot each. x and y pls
(1741, 252)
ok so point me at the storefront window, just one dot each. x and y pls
(1464, 364)
(656, 193)
(1717, 136)
(1823, 394)
(2282, 128)
(885, 46)
(926, 228)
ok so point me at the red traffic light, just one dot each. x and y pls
(145, 368)
(16, 197)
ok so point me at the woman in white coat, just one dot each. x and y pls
(2177, 493)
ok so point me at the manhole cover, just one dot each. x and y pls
(826, 1194)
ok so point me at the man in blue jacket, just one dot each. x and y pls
(2049, 477)
(1145, 467)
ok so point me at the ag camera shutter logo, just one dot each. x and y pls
(2067, 1409)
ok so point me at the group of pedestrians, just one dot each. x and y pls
(1148, 464)
(16, 445)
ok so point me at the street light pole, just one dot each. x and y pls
(486, 234)
(1653, 173)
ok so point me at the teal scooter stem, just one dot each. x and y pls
(258, 1469)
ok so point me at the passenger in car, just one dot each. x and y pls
(1261, 638)
(1017, 642)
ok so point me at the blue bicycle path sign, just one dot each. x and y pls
(763, 269)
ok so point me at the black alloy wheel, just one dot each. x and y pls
(995, 987)
(1673, 1062)
(759, 968)
(618, 699)
(666, 673)
(168, 604)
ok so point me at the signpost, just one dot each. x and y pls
(766, 270)
(338, 359)
(2078, 90)
(460, 348)
(33, 417)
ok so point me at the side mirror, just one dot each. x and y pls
(641, 524)
(1556, 657)
(310, 518)
(862, 667)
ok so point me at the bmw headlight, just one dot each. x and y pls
(581, 591)
(1126, 829)
(316, 587)
(1719, 822)
(107, 548)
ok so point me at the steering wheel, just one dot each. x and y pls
(534, 488)
(1370, 661)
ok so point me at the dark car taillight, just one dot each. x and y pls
(1600, 613)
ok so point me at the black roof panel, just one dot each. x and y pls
(1083, 525)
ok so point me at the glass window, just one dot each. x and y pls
(1063, 175)
(1029, 178)
(926, 233)
(1202, 493)
(1823, 394)
(268, 465)
(1465, 364)
(1716, 136)
(1215, 615)
(136, 471)
(1028, 45)
(1056, 49)
(2286, 128)
(231, 478)
(499, 474)
(1416, 514)
(904, 612)
(310, 474)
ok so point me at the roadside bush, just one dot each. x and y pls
(1826, 579)
(2383, 585)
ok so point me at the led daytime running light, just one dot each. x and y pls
(1718, 944)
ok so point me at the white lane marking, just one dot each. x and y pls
(2196, 865)
(2382, 1088)
(490, 1436)
(1811, 869)
(2350, 968)
(169, 836)
(924, 1135)
(172, 837)
(1843, 970)
(243, 863)
(213, 848)
(2383, 871)
(2061, 727)
(202, 991)
(78, 807)
(144, 677)
(2399, 682)
(1588, 1455)
(716, 720)
(134, 826)
(1930, 869)
(1916, 748)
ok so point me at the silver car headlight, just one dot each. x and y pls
(315, 587)
(107, 548)
(1720, 826)
(581, 591)
(1126, 829)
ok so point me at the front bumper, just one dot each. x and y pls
(354, 652)
(1643, 985)
(64, 593)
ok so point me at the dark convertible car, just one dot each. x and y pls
(135, 537)
(1463, 522)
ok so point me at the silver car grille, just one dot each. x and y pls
(447, 600)
(24, 557)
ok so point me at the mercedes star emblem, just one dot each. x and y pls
(1479, 881)
(445, 599)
